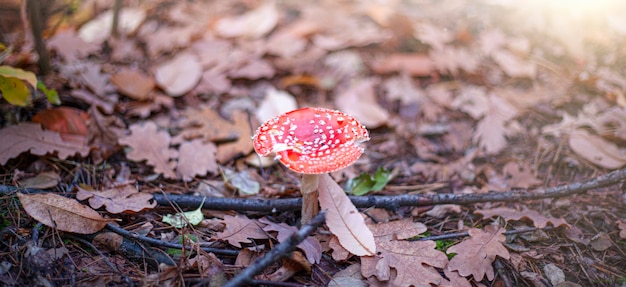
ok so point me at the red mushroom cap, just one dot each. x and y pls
(312, 140)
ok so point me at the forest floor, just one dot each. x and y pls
(497, 133)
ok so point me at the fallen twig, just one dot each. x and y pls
(280, 251)
(391, 202)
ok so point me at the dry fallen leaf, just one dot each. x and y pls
(243, 144)
(180, 74)
(204, 122)
(24, 137)
(597, 150)
(196, 157)
(43, 180)
(71, 123)
(622, 229)
(491, 131)
(62, 213)
(519, 175)
(133, 83)
(239, 229)
(71, 47)
(310, 246)
(538, 219)
(414, 263)
(475, 255)
(98, 29)
(417, 65)
(253, 24)
(359, 100)
(152, 145)
(343, 219)
(513, 66)
(254, 69)
(275, 103)
(119, 199)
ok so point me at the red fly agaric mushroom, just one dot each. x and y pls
(311, 141)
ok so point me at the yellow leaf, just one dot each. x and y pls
(10, 72)
(14, 91)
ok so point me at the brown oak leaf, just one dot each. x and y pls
(133, 83)
(539, 220)
(24, 137)
(196, 158)
(152, 145)
(117, 200)
(413, 262)
(243, 144)
(475, 255)
(239, 229)
(310, 246)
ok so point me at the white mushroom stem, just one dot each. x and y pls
(310, 196)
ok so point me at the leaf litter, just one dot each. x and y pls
(484, 104)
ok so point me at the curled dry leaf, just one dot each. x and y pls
(120, 199)
(152, 145)
(539, 220)
(179, 75)
(475, 255)
(24, 137)
(344, 220)
(62, 213)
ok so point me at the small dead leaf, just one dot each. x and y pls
(597, 150)
(62, 213)
(43, 180)
(601, 242)
(99, 28)
(359, 100)
(417, 65)
(344, 220)
(538, 219)
(253, 70)
(24, 137)
(310, 246)
(239, 229)
(513, 66)
(180, 74)
(622, 229)
(275, 103)
(196, 158)
(253, 24)
(133, 83)
(519, 175)
(204, 122)
(242, 182)
(475, 255)
(554, 274)
(71, 123)
(121, 199)
(243, 144)
(152, 145)
(71, 47)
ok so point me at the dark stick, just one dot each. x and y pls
(380, 201)
(280, 251)
(36, 19)
(128, 234)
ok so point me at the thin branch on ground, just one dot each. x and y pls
(464, 234)
(280, 251)
(128, 234)
(391, 202)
